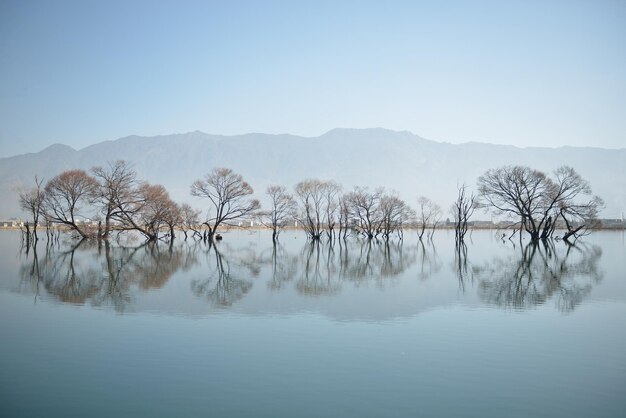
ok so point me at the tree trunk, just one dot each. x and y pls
(571, 232)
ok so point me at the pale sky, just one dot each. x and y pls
(526, 73)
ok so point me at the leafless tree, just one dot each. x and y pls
(31, 201)
(365, 208)
(394, 212)
(428, 214)
(344, 214)
(311, 195)
(282, 209)
(190, 219)
(462, 210)
(116, 193)
(65, 198)
(132, 204)
(536, 201)
(157, 210)
(331, 191)
(173, 218)
(149, 210)
(229, 196)
(574, 202)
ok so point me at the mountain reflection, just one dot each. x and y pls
(540, 272)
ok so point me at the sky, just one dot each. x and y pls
(525, 73)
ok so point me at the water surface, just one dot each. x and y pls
(243, 328)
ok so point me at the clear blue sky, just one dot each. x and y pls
(528, 73)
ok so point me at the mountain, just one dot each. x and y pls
(401, 161)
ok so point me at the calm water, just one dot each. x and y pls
(247, 330)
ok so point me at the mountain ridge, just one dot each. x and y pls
(398, 160)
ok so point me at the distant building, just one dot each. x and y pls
(481, 224)
(613, 223)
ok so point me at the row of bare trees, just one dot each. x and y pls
(113, 195)
(322, 208)
(120, 201)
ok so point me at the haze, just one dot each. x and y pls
(519, 73)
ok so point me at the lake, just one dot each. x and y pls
(498, 328)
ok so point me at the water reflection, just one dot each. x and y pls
(429, 260)
(540, 272)
(226, 282)
(378, 261)
(322, 267)
(284, 267)
(220, 276)
(463, 268)
(102, 274)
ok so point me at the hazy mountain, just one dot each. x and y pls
(401, 161)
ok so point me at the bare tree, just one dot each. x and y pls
(65, 197)
(428, 214)
(31, 201)
(157, 210)
(394, 212)
(574, 202)
(173, 218)
(331, 192)
(311, 196)
(116, 193)
(282, 208)
(133, 205)
(147, 212)
(365, 207)
(229, 196)
(344, 214)
(536, 201)
(462, 210)
(190, 219)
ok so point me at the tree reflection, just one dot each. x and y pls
(115, 275)
(226, 282)
(60, 273)
(102, 274)
(465, 271)
(319, 273)
(284, 267)
(326, 266)
(541, 272)
(429, 260)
